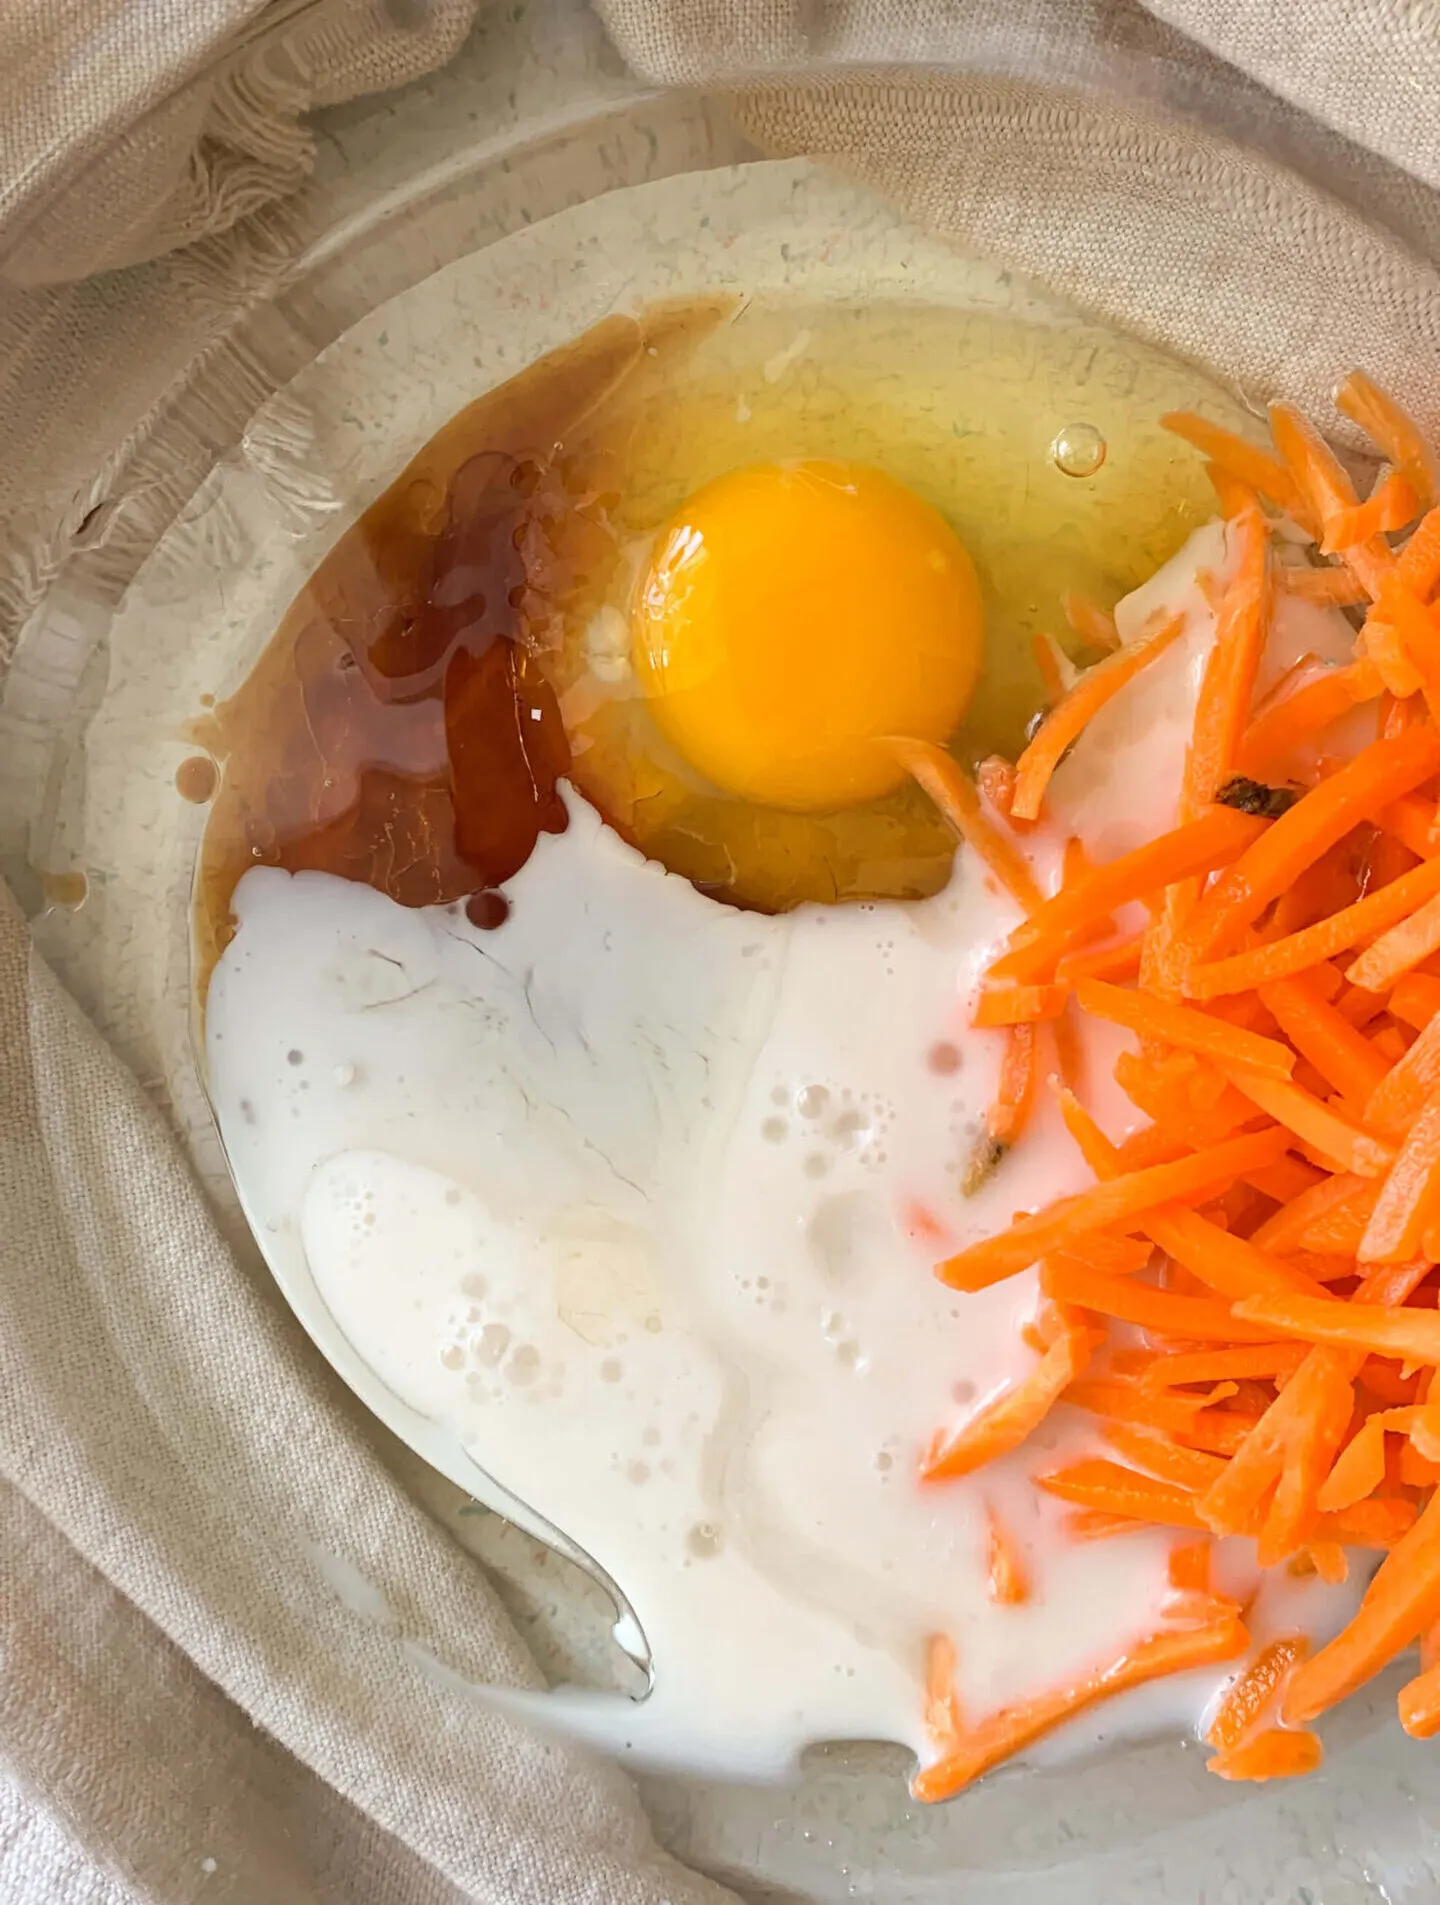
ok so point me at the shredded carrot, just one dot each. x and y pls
(1068, 718)
(1106, 1207)
(1196, 1317)
(1254, 1691)
(1416, 999)
(1184, 1026)
(1390, 506)
(1278, 1753)
(1094, 1483)
(942, 1703)
(1192, 1418)
(1409, 821)
(1223, 707)
(1410, 1196)
(1340, 1139)
(1378, 774)
(1014, 1728)
(1299, 951)
(1419, 1705)
(1362, 400)
(1327, 588)
(1118, 961)
(1199, 846)
(1325, 699)
(953, 792)
(1344, 1057)
(1253, 1270)
(1221, 1365)
(1187, 1468)
(1004, 1423)
(1095, 626)
(1247, 461)
(1006, 1573)
(1400, 1603)
(1293, 1228)
(1324, 488)
(1015, 1096)
(1018, 1005)
(1418, 564)
(1399, 950)
(1412, 1335)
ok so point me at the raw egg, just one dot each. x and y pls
(794, 615)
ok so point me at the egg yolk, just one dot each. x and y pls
(792, 617)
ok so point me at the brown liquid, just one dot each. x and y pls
(398, 729)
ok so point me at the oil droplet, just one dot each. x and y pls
(703, 1540)
(943, 1058)
(196, 779)
(452, 1356)
(487, 910)
(773, 1130)
(1078, 450)
(637, 1472)
(811, 1102)
(610, 1369)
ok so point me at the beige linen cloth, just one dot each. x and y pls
(219, 1614)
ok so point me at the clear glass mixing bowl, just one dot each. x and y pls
(230, 421)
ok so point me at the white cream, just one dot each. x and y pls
(639, 1196)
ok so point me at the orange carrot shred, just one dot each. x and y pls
(1391, 505)
(1340, 1139)
(1344, 1057)
(1254, 1691)
(1377, 775)
(1105, 1207)
(1242, 972)
(1014, 1099)
(942, 1703)
(1327, 588)
(1196, 1317)
(1219, 1365)
(1413, 1335)
(1254, 1272)
(1400, 1603)
(1410, 1196)
(1199, 846)
(1018, 1004)
(1187, 1468)
(1184, 1026)
(1014, 1728)
(1003, 1424)
(953, 792)
(1247, 461)
(1068, 718)
(1278, 1753)
(1006, 1574)
(1223, 708)
(1307, 712)
(1398, 951)
(1377, 413)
